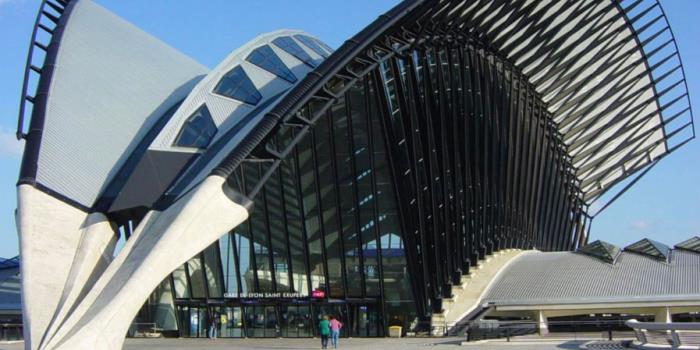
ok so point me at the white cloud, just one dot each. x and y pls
(641, 225)
(9, 146)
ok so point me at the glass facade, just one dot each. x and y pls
(373, 204)
(323, 238)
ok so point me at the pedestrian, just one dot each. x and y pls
(335, 330)
(213, 326)
(324, 330)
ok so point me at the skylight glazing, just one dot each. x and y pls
(265, 58)
(290, 46)
(692, 244)
(198, 130)
(312, 44)
(237, 85)
(601, 250)
(650, 248)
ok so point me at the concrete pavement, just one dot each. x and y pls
(355, 343)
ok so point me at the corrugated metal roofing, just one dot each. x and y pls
(111, 83)
(567, 277)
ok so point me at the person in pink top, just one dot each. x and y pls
(335, 331)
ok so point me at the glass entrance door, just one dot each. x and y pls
(231, 322)
(295, 321)
(366, 321)
(194, 321)
(261, 321)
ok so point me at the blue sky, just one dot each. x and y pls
(665, 205)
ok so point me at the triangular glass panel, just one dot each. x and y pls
(650, 248)
(266, 59)
(692, 244)
(237, 85)
(288, 44)
(198, 130)
(312, 44)
(601, 250)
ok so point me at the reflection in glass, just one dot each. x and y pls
(265, 58)
(213, 272)
(288, 44)
(194, 268)
(198, 130)
(237, 85)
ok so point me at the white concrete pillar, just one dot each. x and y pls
(49, 235)
(93, 255)
(542, 323)
(663, 315)
(162, 242)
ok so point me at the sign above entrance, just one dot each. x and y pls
(265, 295)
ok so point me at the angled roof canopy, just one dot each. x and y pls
(650, 248)
(692, 244)
(609, 72)
(601, 250)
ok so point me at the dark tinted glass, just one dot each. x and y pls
(650, 247)
(198, 130)
(266, 59)
(288, 44)
(692, 244)
(236, 85)
(312, 44)
(601, 250)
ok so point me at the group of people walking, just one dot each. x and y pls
(329, 328)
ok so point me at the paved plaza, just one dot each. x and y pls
(355, 343)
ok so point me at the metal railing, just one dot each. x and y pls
(11, 331)
(574, 330)
(658, 334)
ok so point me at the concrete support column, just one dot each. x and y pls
(49, 235)
(542, 323)
(663, 315)
(161, 242)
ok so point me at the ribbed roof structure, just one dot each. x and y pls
(569, 278)
(462, 127)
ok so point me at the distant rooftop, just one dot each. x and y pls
(601, 250)
(9, 263)
(650, 248)
(645, 271)
(692, 244)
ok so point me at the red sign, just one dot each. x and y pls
(318, 293)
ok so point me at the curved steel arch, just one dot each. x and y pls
(413, 22)
(412, 26)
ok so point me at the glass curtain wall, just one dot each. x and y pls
(325, 222)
